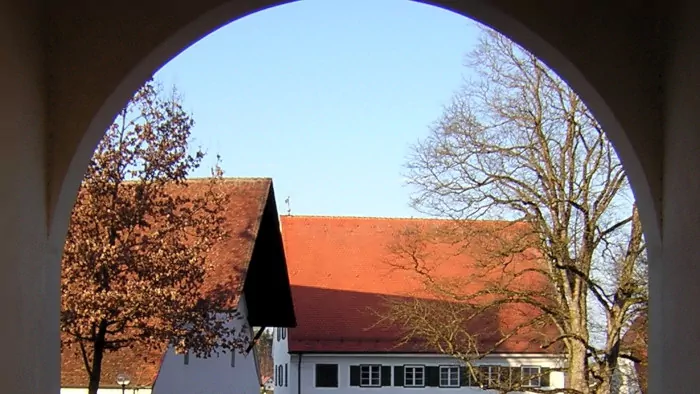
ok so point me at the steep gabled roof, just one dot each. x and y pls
(341, 268)
(227, 262)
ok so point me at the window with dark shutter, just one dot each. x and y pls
(354, 375)
(370, 375)
(386, 375)
(449, 376)
(326, 375)
(398, 375)
(531, 376)
(414, 375)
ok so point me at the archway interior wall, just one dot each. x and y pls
(610, 54)
(29, 286)
(105, 60)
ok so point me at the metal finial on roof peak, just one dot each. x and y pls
(289, 207)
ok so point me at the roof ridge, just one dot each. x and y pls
(397, 218)
(360, 217)
(229, 178)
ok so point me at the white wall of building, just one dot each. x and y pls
(281, 358)
(344, 361)
(76, 390)
(225, 373)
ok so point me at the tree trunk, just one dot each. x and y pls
(578, 371)
(606, 386)
(97, 355)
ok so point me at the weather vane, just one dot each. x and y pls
(289, 207)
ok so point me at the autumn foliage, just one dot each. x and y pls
(135, 254)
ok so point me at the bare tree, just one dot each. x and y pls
(135, 255)
(517, 144)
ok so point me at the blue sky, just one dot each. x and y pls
(325, 97)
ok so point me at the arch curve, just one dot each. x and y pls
(95, 86)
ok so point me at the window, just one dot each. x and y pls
(284, 333)
(326, 375)
(187, 357)
(286, 382)
(274, 373)
(493, 375)
(233, 358)
(370, 375)
(414, 376)
(449, 376)
(278, 330)
(489, 375)
(530, 376)
(280, 380)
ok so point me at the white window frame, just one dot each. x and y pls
(494, 376)
(450, 369)
(370, 375)
(414, 375)
(536, 375)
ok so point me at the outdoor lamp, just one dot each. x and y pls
(123, 380)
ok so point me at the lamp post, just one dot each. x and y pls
(123, 380)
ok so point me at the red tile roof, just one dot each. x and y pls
(341, 267)
(636, 341)
(227, 261)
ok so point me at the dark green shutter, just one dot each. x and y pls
(517, 376)
(544, 380)
(504, 375)
(483, 377)
(386, 375)
(398, 376)
(354, 375)
(326, 375)
(432, 376)
(463, 376)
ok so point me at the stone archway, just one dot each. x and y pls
(116, 61)
(100, 52)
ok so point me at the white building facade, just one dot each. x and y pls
(402, 373)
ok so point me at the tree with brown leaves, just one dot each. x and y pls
(517, 144)
(135, 254)
(263, 347)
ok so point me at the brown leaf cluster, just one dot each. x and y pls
(135, 255)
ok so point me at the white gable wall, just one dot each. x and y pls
(344, 361)
(281, 358)
(213, 375)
